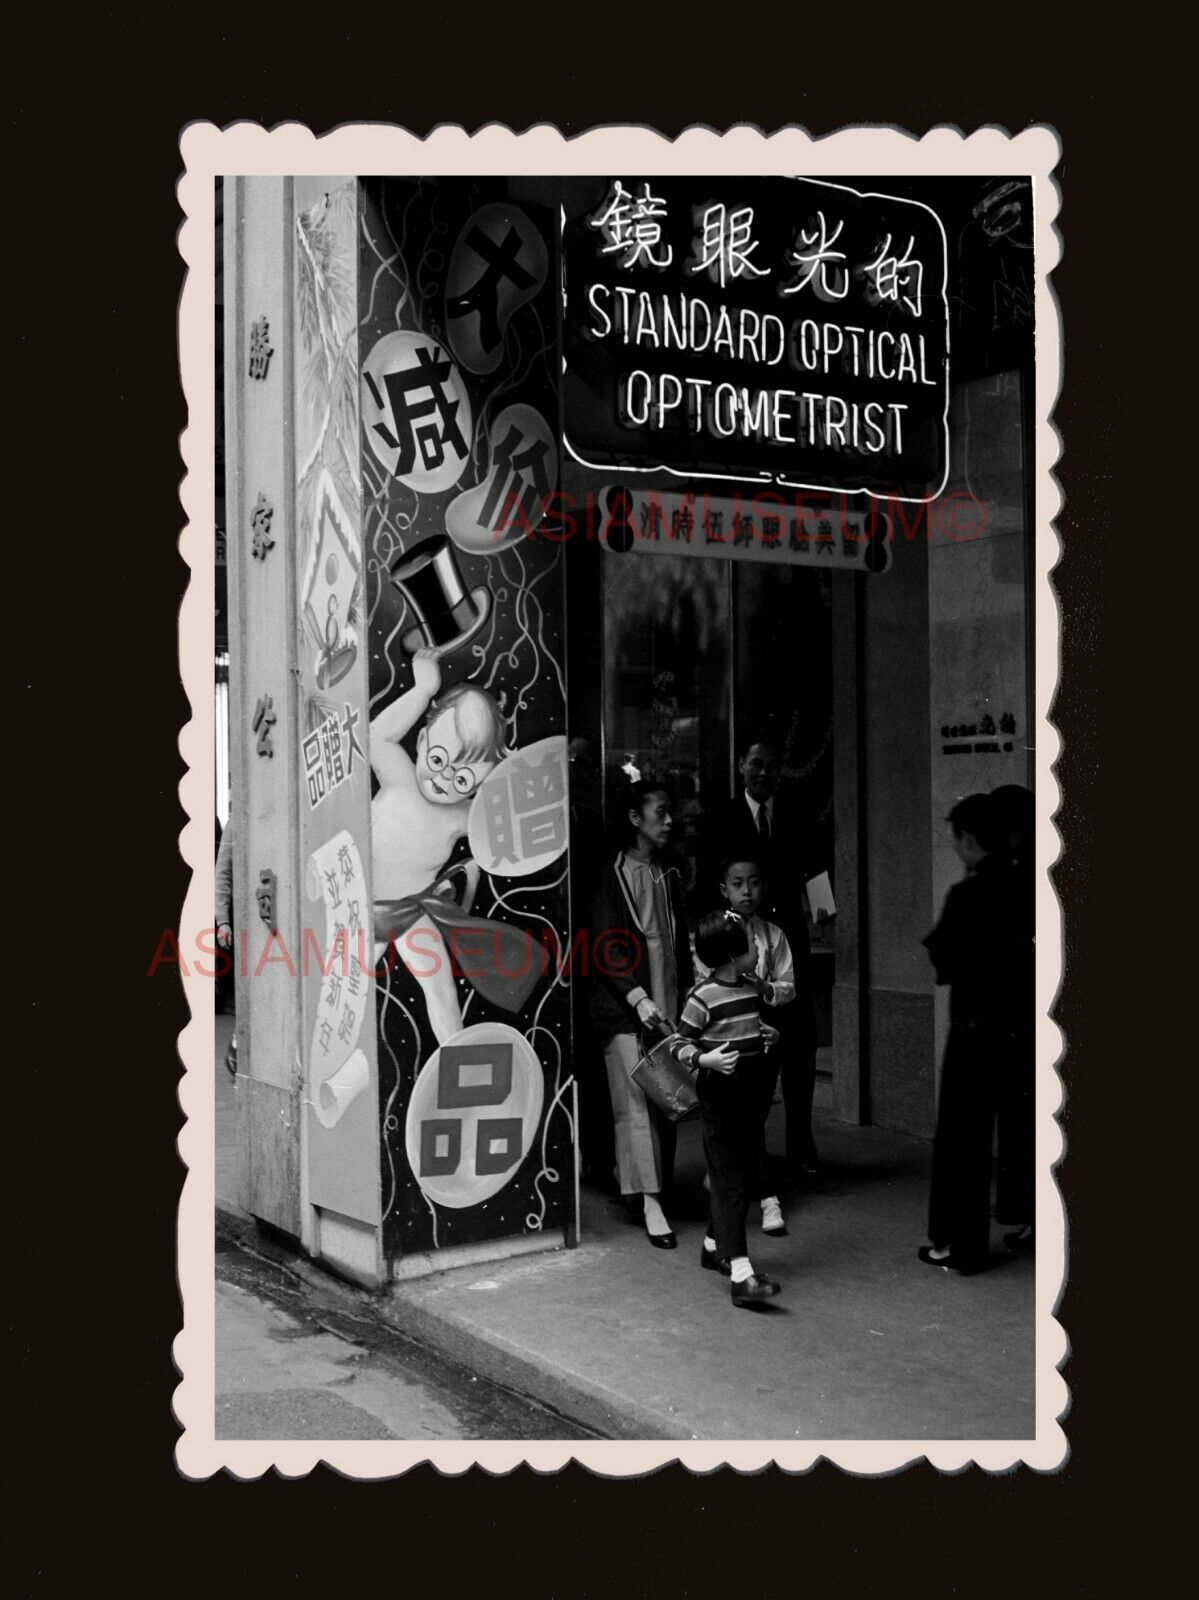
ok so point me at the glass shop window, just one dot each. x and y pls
(667, 685)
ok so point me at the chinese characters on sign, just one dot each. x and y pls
(265, 895)
(760, 527)
(474, 1113)
(264, 720)
(416, 411)
(518, 820)
(261, 539)
(634, 228)
(329, 752)
(779, 329)
(986, 736)
(339, 1071)
(517, 489)
(498, 264)
(261, 349)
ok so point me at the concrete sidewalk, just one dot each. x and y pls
(865, 1342)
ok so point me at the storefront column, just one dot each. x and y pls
(894, 789)
(262, 699)
(307, 1088)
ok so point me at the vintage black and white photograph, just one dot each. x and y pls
(621, 790)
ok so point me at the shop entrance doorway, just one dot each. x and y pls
(699, 659)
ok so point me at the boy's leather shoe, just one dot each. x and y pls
(714, 1262)
(754, 1290)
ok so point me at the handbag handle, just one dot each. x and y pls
(654, 1032)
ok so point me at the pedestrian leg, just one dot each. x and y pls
(722, 1117)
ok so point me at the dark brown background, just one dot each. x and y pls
(92, 222)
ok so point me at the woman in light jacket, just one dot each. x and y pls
(641, 972)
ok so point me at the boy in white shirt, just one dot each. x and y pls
(742, 884)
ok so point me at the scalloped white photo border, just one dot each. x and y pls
(879, 152)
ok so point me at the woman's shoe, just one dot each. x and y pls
(662, 1241)
(925, 1254)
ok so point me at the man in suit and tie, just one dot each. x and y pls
(776, 830)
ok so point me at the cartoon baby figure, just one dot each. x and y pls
(418, 817)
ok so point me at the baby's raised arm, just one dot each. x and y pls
(388, 757)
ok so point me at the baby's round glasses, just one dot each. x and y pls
(462, 776)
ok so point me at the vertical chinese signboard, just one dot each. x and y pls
(334, 778)
(466, 739)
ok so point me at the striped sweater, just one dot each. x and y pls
(715, 1014)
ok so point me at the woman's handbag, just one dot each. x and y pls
(666, 1082)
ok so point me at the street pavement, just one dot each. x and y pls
(293, 1364)
(865, 1342)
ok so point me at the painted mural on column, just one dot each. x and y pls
(333, 965)
(464, 607)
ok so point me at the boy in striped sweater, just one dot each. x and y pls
(721, 1033)
(741, 884)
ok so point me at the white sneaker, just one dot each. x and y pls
(772, 1217)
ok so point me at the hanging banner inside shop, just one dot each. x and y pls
(458, 331)
(765, 528)
(768, 330)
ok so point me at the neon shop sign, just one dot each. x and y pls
(768, 330)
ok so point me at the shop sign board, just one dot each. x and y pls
(750, 528)
(779, 331)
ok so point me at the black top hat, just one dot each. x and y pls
(446, 615)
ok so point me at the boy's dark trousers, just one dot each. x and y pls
(729, 1106)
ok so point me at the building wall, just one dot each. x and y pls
(930, 704)
(978, 628)
(898, 864)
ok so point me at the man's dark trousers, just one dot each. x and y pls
(793, 1060)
